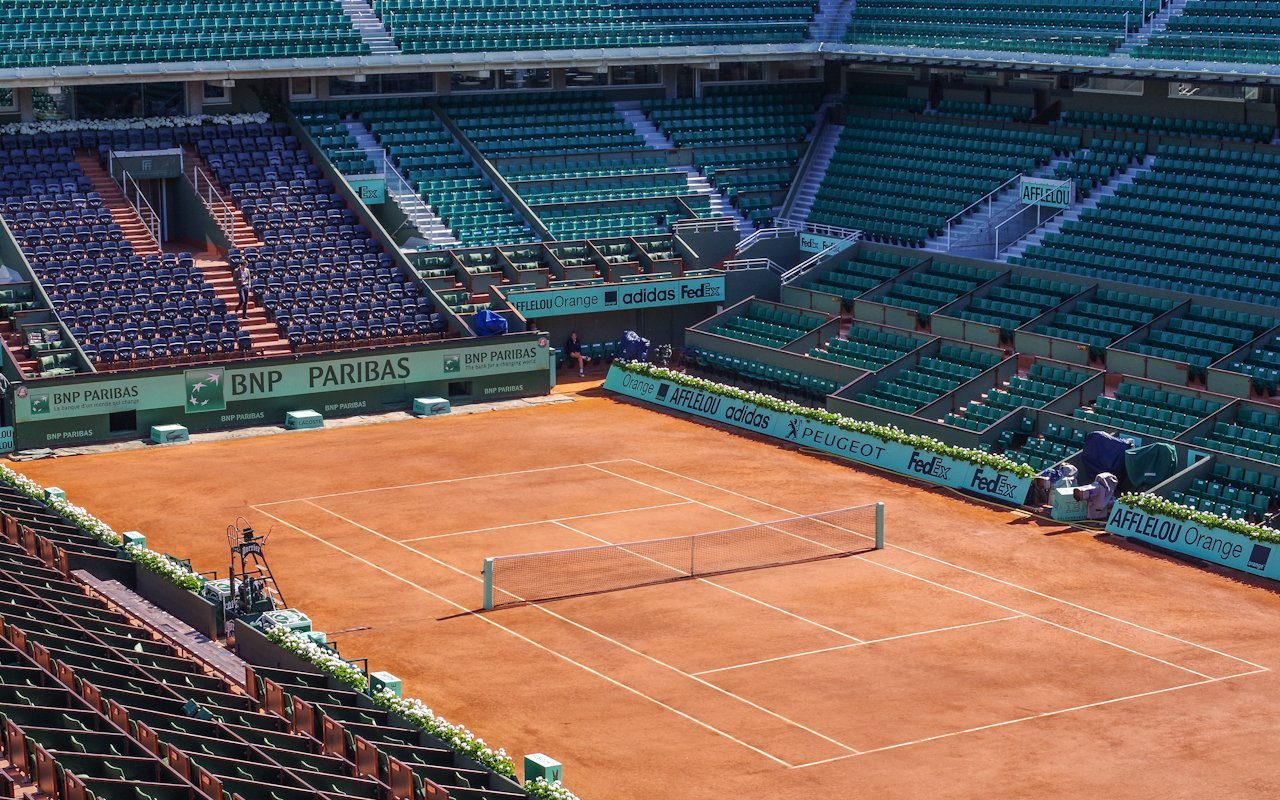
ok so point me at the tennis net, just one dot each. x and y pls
(554, 574)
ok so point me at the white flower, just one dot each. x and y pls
(166, 566)
(61, 125)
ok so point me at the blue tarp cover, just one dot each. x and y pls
(489, 323)
(1103, 452)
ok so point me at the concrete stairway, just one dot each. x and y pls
(831, 21)
(1158, 23)
(720, 205)
(113, 199)
(823, 150)
(371, 29)
(1071, 214)
(975, 230)
(420, 215)
(217, 270)
(653, 138)
(26, 362)
(267, 340)
(242, 234)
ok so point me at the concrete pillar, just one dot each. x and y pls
(26, 106)
(667, 75)
(195, 97)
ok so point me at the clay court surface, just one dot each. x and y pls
(982, 654)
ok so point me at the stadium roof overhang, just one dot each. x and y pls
(385, 64)
(1114, 65)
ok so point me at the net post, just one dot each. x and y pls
(488, 584)
(879, 526)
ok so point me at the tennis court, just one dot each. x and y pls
(979, 654)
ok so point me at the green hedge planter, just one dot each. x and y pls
(882, 446)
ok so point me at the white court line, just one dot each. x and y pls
(1032, 717)
(1001, 606)
(858, 644)
(441, 481)
(968, 570)
(543, 521)
(598, 634)
(853, 752)
(758, 601)
(490, 621)
(1049, 622)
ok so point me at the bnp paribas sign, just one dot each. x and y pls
(206, 389)
(209, 389)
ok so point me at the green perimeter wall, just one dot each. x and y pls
(84, 409)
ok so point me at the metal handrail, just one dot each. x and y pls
(1040, 222)
(821, 257)
(762, 234)
(816, 228)
(405, 195)
(222, 211)
(699, 224)
(138, 200)
(753, 263)
(989, 198)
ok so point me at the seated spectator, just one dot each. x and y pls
(573, 350)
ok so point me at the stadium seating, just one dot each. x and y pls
(791, 383)
(1254, 434)
(1148, 411)
(47, 33)
(357, 731)
(929, 379)
(444, 175)
(999, 111)
(486, 25)
(1041, 385)
(1057, 443)
(900, 180)
(74, 672)
(539, 124)
(1202, 336)
(1261, 364)
(1176, 126)
(119, 305)
(1219, 30)
(1104, 160)
(331, 135)
(1107, 316)
(865, 348)
(1203, 219)
(765, 325)
(1020, 300)
(860, 274)
(1038, 26)
(576, 203)
(320, 276)
(773, 122)
(929, 290)
(1248, 494)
